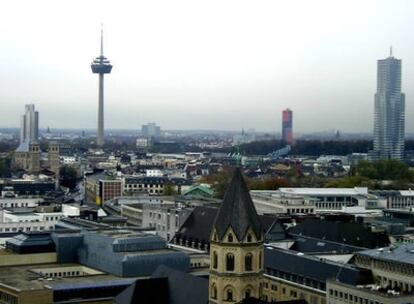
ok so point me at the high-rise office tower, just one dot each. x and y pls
(287, 122)
(27, 154)
(151, 130)
(101, 66)
(389, 113)
(29, 125)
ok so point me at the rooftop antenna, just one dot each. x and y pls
(391, 51)
(101, 39)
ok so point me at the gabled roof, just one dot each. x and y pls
(145, 291)
(198, 225)
(183, 287)
(202, 188)
(166, 286)
(237, 211)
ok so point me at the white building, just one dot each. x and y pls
(310, 200)
(26, 220)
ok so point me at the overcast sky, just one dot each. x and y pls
(203, 64)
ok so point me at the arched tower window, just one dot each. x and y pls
(249, 238)
(260, 260)
(248, 262)
(215, 260)
(214, 291)
(230, 238)
(247, 293)
(229, 294)
(230, 262)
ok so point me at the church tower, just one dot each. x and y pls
(236, 247)
(54, 158)
(34, 158)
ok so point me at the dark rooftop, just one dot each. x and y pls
(353, 234)
(320, 270)
(237, 211)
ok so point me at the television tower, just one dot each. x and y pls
(101, 66)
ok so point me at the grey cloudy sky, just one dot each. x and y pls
(203, 64)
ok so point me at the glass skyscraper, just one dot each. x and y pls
(389, 114)
(29, 125)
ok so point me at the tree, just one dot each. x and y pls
(383, 170)
(271, 183)
(169, 190)
(350, 182)
(5, 170)
(219, 181)
(68, 177)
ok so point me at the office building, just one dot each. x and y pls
(392, 270)
(314, 200)
(166, 219)
(389, 113)
(29, 125)
(27, 154)
(287, 124)
(292, 276)
(100, 187)
(101, 66)
(151, 130)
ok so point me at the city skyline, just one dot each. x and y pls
(227, 76)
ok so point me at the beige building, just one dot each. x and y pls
(54, 157)
(100, 187)
(392, 271)
(27, 157)
(236, 247)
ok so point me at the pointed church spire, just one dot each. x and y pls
(237, 211)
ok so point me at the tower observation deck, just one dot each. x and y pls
(101, 65)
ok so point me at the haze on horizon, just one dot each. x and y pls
(203, 65)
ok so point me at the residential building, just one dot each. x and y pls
(154, 185)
